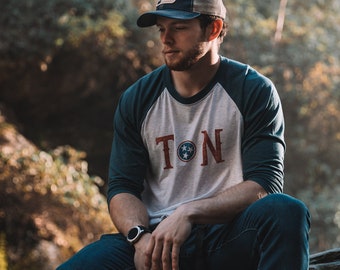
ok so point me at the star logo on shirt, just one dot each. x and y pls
(186, 151)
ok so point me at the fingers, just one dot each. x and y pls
(166, 255)
(156, 262)
(161, 248)
(162, 255)
(175, 257)
(149, 253)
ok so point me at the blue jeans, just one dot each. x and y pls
(272, 233)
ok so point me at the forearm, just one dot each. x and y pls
(126, 211)
(224, 206)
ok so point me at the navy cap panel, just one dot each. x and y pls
(150, 18)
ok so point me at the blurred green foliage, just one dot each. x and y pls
(3, 251)
(63, 66)
(36, 28)
(305, 67)
(46, 198)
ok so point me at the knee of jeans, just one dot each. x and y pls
(286, 207)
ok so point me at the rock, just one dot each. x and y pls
(326, 260)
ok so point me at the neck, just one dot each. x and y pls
(190, 82)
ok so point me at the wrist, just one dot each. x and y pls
(142, 242)
(188, 212)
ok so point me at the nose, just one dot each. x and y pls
(166, 36)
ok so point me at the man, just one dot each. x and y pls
(196, 170)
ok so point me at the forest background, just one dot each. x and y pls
(63, 66)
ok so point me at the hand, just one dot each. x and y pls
(140, 252)
(166, 241)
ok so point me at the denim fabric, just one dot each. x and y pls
(272, 233)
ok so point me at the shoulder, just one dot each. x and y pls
(245, 85)
(238, 72)
(144, 90)
(139, 97)
(146, 84)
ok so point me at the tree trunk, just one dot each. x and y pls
(280, 21)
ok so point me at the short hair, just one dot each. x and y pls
(205, 20)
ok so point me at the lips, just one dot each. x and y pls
(170, 51)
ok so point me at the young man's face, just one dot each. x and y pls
(183, 42)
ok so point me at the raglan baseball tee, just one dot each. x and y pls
(169, 150)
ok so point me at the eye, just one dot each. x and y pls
(160, 28)
(180, 27)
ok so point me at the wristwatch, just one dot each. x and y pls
(136, 233)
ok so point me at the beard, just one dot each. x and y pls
(185, 62)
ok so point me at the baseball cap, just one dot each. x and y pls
(182, 10)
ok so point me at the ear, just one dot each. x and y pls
(215, 29)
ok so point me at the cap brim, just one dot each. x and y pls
(150, 18)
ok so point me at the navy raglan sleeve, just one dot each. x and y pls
(263, 145)
(129, 158)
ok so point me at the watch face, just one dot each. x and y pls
(133, 233)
